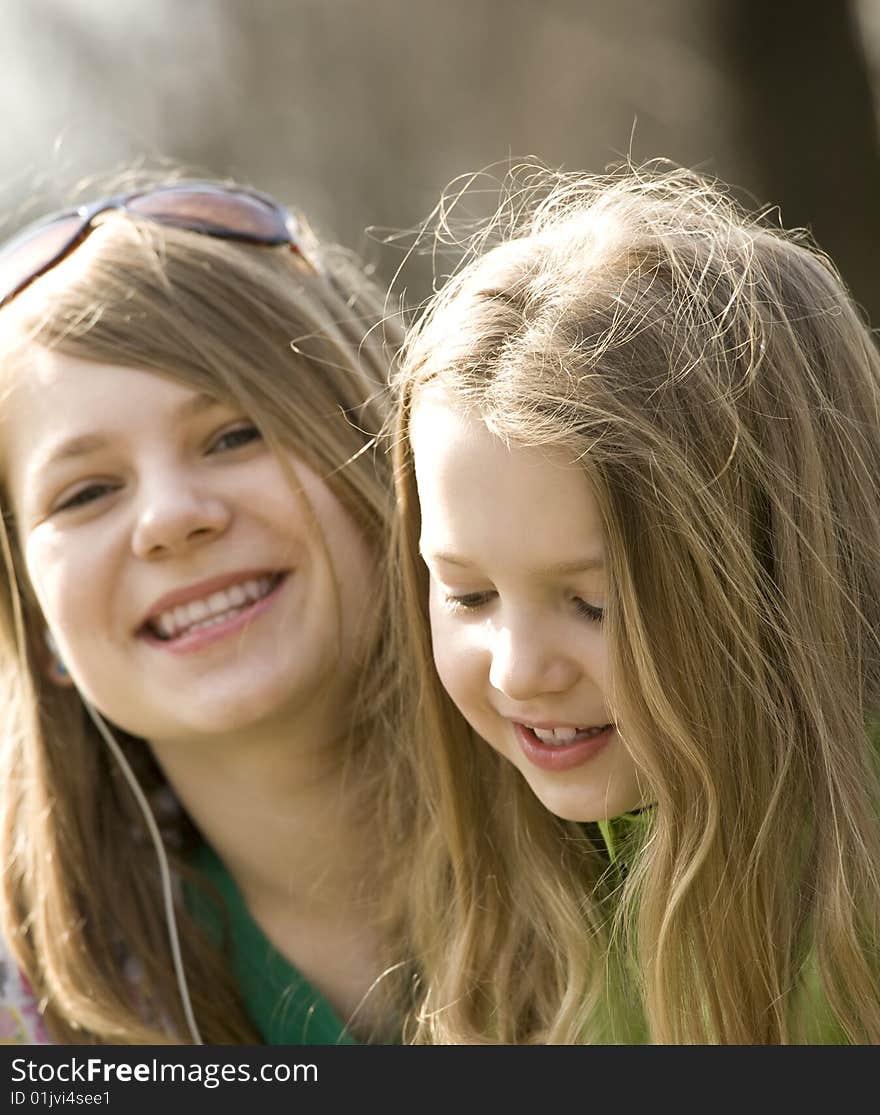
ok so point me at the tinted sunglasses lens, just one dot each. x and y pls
(35, 250)
(219, 212)
(227, 213)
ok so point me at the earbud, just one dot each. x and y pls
(58, 665)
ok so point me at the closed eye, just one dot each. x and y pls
(235, 438)
(589, 611)
(468, 601)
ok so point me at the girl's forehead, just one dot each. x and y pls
(486, 502)
(439, 414)
(435, 406)
(68, 388)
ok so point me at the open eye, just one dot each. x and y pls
(235, 437)
(89, 493)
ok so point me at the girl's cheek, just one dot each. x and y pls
(442, 643)
(45, 574)
(460, 661)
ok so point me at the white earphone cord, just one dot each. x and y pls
(164, 871)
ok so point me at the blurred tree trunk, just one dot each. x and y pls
(809, 125)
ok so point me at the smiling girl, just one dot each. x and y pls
(193, 628)
(638, 460)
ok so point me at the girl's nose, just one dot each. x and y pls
(527, 663)
(175, 514)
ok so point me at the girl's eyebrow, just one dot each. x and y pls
(562, 568)
(446, 558)
(83, 444)
(579, 565)
(74, 447)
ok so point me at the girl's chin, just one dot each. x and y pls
(583, 805)
(207, 720)
(572, 811)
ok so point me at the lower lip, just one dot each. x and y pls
(564, 757)
(207, 636)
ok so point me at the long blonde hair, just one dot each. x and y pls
(723, 394)
(297, 347)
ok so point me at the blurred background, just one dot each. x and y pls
(361, 111)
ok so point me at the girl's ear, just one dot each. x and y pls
(51, 662)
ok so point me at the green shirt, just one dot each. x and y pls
(622, 837)
(281, 1003)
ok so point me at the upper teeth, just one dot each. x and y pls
(211, 609)
(564, 735)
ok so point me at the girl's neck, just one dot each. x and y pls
(279, 808)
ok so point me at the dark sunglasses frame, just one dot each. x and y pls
(209, 208)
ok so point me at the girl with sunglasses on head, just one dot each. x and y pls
(201, 837)
(639, 485)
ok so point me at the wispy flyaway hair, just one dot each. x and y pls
(302, 347)
(722, 392)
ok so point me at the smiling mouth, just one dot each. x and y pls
(210, 611)
(564, 737)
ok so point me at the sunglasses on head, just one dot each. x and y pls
(225, 212)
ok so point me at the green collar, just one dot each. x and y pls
(623, 834)
(281, 1003)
